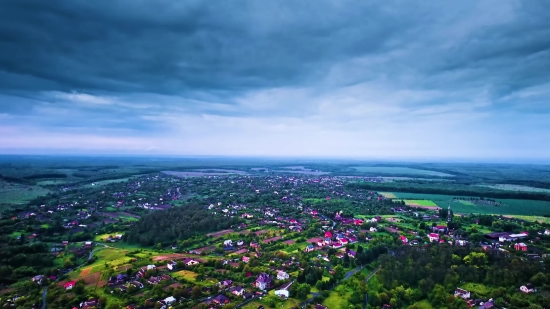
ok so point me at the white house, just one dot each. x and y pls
(547, 232)
(169, 300)
(283, 290)
(282, 275)
(171, 265)
(462, 293)
(373, 229)
(228, 243)
(240, 243)
(461, 242)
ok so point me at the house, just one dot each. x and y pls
(225, 284)
(433, 237)
(237, 290)
(328, 241)
(439, 228)
(263, 281)
(92, 303)
(169, 300)
(228, 243)
(282, 275)
(547, 232)
(462, 293)
(246, 259)
(344, 241)
(373, 229)
(310, 248)
(221, 299)
(404, 240)
(328, 234)
(69, 285)
(283, 290)
(171, 265)
(240, 243)
(520, 247)
(65, 243)
(190, 262)
(461, 242)
(528, 288)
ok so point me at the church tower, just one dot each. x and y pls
(449, 214)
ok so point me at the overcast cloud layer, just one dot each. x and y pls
(374, 79)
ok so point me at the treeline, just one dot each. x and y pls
(449, 189)
(176, 224)
(411, 274)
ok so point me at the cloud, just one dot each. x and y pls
(335, 78)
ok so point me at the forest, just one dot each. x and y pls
(177, 223)
(410, 274)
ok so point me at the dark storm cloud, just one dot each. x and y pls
(172, 47)
(253, 69)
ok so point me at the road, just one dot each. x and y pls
(348, 275)
(44, 293)
(367, 280)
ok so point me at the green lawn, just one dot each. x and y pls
(336, 301)
(424, 304)
(477, 288)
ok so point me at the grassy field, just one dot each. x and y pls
(510, 206)
(15, 194)
(531, 218)
(477, 288)
(388, 194)
(424, 304)
(396, 170)
(187, 275)
(336, 301)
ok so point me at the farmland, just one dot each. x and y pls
(509, 206)
(393, 170)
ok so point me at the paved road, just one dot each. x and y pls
(44, 293)
(367, 280)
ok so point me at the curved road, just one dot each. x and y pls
(367, 280)
(45, 290)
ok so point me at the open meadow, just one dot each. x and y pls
(503, 207)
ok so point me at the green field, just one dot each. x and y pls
(509, 207)
(477, 288)
(20, 194)
(397, 170)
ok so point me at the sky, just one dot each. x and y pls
(343, 79)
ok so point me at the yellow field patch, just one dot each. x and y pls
(388, 194)
(188, 275)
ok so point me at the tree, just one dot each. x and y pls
(539, 279)
(339, 272)
(196, 292)
(302, 290)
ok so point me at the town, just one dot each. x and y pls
(241, 241)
